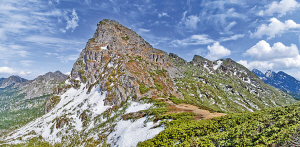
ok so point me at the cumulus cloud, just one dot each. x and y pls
(189, 21)
(263, 51)
(163, 15)
(10, 71)
(257, 64)
(281, 8)
(7, 70)
(217, 51)
(278, 56)
(194, 40)
(72, 21)
(276, 27)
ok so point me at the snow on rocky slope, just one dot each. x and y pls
(67, 119)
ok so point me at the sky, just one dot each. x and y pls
(38, 36)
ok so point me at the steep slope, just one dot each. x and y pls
(21, 101)
(120, 86)
(224, 85)
(282, 81)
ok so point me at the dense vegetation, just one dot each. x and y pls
(273, 126)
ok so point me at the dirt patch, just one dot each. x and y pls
(203, 114)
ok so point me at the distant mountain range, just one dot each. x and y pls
(280, 80)
(4, 82)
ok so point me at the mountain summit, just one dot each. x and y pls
(122, 91)
(12, 80)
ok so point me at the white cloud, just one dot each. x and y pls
(24, 73)
(68, 58)
(163, 15)
(18, 18)
(189, 22)
(217, 51)
(281, 8)
(233, 37)
(72, 21)
(278, 56)
(194, 40)
(57, 43)
(144, 30)
(257, 64)
(221, 18)
(7, 70)
(276, 27)
(9, 51)
(263, 51)
(227, 29)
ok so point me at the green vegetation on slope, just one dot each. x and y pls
(17, 111)
(273, 126)
(232, 88)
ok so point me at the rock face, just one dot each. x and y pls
(124, 64)
(280, 80)
(42, 85)
(4, 82)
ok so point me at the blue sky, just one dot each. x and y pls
(38, 36)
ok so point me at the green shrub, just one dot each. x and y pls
(176, 100)
(159, 86)
(125, 38)
(143, 88)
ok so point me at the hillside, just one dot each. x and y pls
(22, 101)
(281, 80)
(122, 91)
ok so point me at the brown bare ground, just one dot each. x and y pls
(203, 114)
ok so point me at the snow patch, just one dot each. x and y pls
(110, 65)
(104, 47)
(135, 107)
(129, 133)
(219, 63)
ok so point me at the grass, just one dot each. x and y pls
(159, 86)
(143, 89)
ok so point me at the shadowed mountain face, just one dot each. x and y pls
(280, 80)
(119, 86)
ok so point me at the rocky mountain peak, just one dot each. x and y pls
(52, 75)
(201, 61)
(270, 74)
(11, 80)
(258, 73)
(124, 64)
